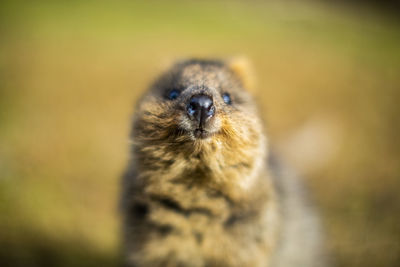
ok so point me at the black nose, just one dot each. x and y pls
(200, 108)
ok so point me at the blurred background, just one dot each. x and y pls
(71, 71)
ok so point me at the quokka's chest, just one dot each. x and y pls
(211, 232)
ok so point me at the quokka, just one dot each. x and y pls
(201, 188)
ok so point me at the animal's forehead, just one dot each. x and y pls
(210, 76)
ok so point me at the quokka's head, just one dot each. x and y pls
(198, 103)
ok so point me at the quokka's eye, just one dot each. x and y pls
(173, 94)
(227, 98)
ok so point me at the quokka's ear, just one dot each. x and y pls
(243, 69)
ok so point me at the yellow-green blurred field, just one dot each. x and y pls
(70, 73)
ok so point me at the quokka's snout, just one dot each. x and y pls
(201, 107)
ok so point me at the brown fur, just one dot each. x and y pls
(189, 201)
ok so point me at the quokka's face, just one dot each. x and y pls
(196, 101)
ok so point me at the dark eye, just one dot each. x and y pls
(227, 98)
(173, 94)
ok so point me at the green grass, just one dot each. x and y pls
(70, 73)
